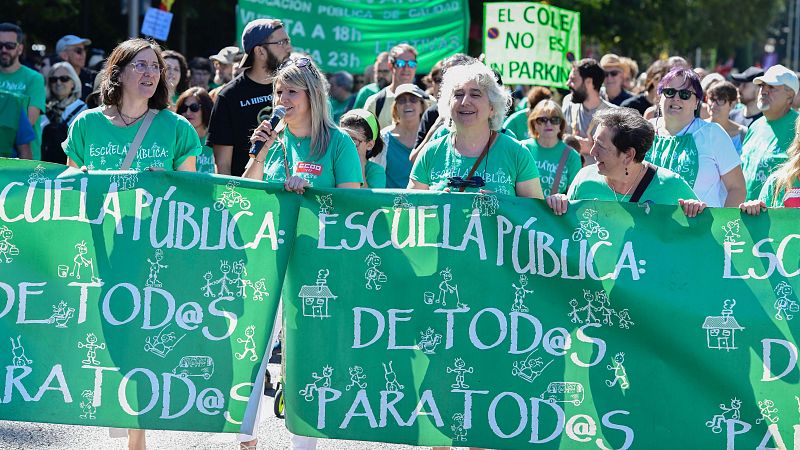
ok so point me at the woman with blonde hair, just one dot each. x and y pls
(782, 188)
(474, 156)
(310, 150)
(557, 162)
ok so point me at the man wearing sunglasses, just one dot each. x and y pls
(613, 85)
(403, 64)
(247, 100)
(72, 49)
(20, 80)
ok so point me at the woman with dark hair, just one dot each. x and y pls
(558, 163)
(135, 96)
(701, 152)
(310, 138)
(362, 126)
(63, 106)
(722, 97)
(621, 140)
(177, 72)
(195, 105)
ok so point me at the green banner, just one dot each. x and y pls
(469, 320)
(344, 35)
(137, 300)
(531, 43)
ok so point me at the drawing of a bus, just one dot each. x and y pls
(564, 392)
(195, 366)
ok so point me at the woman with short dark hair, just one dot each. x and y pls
(362, 126)
(195, 105)
(721, 98)
(134, 94)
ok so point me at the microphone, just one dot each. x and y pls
(277, 115)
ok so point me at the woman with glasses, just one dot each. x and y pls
(701, 152)
(310, 150)
(722, 97)
(621, 140)
(557, 163)
(177, 74)
(195, 105)
(401, 135)
(63, 106)
(133, 87)
(474, 156)
(362, 126)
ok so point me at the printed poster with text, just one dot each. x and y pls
(347, 35)
(531, 43)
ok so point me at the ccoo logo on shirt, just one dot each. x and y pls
(310, 168)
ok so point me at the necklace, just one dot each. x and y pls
(132, 119)
(634, 183)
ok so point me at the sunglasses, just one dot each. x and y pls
(9, 45)
(194, 107)
(78, 50)
(401, 63)
(472, 182)
(62, 78)
(404, 99)
(684, 94)
(299, 62)
(555, 120)
(613, 73)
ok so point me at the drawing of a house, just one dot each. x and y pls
(315, 297)
(721, 330)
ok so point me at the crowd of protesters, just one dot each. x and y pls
(666, 136)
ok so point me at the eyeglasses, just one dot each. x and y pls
(9, 45)
(472, 182)
(405, 99)
(613, 73)
(78, 50)
(555, 120)
(717, 101)
(194, 107)
(142, 67)
(62, 78)
(401, 63)
(299, 62)
(281, 43)
(684, 94)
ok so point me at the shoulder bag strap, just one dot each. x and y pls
(379, 102)
(646, 179)
(560, 170)
(137, 140)
(489, 143)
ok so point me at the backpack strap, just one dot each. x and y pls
(562, 163)
(492, 136)
(645, 181)
(379, 102)
(137, 140)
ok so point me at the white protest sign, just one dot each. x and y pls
(157, 23)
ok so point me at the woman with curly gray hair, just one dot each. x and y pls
(474, 155)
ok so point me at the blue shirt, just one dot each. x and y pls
(398, 166)
(25, 133)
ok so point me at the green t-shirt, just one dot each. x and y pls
(665, 188)
(29, 83)
(340, 163)
(376, 176)
(96, 143)
(767, 194)
(364, 93)
(764, 149)
(506, 164)
(205, 160)
(518, 123)
(547, 160)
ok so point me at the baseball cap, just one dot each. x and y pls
(256, 32)
(409, 88)
(779, 75)
(748, 75)
(226, 55)
(70, 39)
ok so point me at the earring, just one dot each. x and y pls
(626, 171)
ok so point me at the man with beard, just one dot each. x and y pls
(20, 80)
(382, 75)
(748, 96)
(247, 100)
(403, 64)
(72, 49)
(765, 144)
(583, 102)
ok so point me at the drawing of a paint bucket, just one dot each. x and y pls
(429, 298)
(62, 271)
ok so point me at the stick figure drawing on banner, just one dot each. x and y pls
(448, 290)
(7, 249)
(357, 378)
(155, 268)
(92, 346)
(19, 360)
(716, 422)
(80, 261)
(460, 368)
(374, 275)
(520, 293)
(319, 381)
(392, 385)
(87, 405)
(249, 344)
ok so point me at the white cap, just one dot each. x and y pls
(779, 75)
(70, 39)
